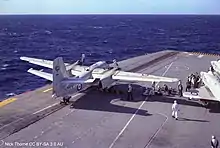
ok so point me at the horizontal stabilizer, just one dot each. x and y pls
(41, 74)
(129, 76)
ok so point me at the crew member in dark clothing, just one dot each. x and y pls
(165, 88)
(180, 89)
(153, 86)
(196, 82)
(169, 90)
(188, 84)
(214, 142)
(193, 80)
(159, 91)
(212, 69)
(130, 96)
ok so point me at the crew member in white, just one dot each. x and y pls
(214, 142)
(175, 109)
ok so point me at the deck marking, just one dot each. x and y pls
(45, 108)
(56, 122)
(158, 130)
(7, 101)
(49, 89)
(53, 105)
(126, 125)
(33, 113)
(11, 123)
(200, 56)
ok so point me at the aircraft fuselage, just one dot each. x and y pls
(212, 82)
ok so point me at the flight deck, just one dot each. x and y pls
(106, 120)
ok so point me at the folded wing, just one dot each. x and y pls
(49, 77)
(40, 62)
(130, 76)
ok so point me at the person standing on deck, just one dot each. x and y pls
(214, 142)
(175, 109)
(180, 89)
(130, 95)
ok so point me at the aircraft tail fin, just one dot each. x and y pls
(59, 74)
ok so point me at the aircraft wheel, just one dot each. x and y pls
(110, 89)
(68, 99)
(205, 104)
(100, 85)
(63, 102)
(72, 106)
(104, 89)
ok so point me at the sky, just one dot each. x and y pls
(109, 7)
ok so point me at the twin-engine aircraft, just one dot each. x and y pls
(210, 92)
(70, 78)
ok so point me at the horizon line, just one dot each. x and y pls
(105, 14)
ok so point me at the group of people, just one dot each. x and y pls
(158, 90)
(193, 81)
(175, 106)
(155, 91)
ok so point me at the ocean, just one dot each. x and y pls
(100, 37)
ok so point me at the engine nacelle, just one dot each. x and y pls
(106, 80)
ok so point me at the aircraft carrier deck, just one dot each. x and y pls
(105, 120)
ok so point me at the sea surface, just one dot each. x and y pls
(100, 37)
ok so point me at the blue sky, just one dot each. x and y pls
(109, 6)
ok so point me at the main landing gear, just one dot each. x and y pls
(66, 100)
(205, 103)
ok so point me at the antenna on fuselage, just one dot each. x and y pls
(83, 56)
(115, 63)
